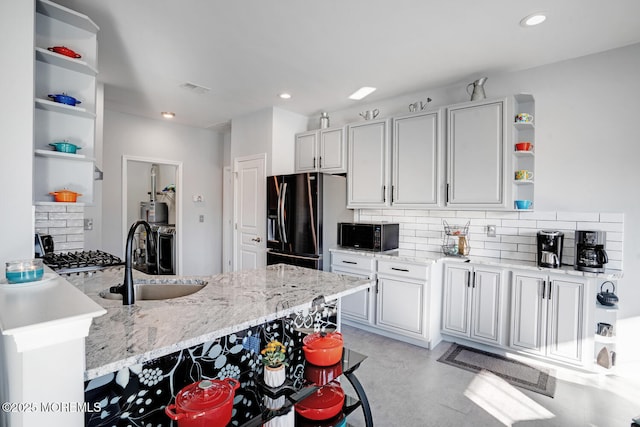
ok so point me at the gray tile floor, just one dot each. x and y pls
(408, 387)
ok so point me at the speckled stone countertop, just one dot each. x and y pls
(433, 257)
(230, 302)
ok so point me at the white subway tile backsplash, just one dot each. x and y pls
(423, 230)
(64, 222)
(578, 216)
(611, 217)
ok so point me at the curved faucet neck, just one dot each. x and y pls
(126, 289)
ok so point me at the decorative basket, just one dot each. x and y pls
(456, 240)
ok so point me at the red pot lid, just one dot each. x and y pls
(206, 395)
(328, 396)
(317, 341)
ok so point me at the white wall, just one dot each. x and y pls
(16, 122)
(201, 152)
(285, 126)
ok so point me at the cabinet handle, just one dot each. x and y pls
(376, 286)
(320, 162)
(384, 194)
(549, 295)
(468, 279)
(544, 288)
(447, 194)
(400, 269)
(474, 280)
(393, 187)
(349, 262)
(314, 162)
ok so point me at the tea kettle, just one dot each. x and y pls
(605, 297)
(478, 89)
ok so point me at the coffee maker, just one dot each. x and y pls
(590, 253)
(550, 248)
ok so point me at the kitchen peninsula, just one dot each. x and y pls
(157, 347)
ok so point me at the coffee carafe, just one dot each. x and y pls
(550, 248)
(590, 253)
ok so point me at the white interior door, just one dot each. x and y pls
(250, 212)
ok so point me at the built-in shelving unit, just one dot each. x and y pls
(607, 315)
(56, 74)
(523, 160)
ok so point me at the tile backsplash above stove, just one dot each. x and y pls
(422, 231)
(64, 222)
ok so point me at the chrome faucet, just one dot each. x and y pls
(126, 288)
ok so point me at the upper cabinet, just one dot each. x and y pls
(323, 150)
(416, 160)
(55, 74)
(368, 164)
(476, 154)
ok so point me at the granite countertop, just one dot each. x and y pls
(230, 302)
(429, 258)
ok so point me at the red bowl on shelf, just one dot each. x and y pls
(523, 146)
(63, 50)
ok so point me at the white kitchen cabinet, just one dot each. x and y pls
(416, 160)
(474, 303)
(476, 139)
(55, 74)
(358, 307)
(368, 164)
(402, 298)
(548, 316)
(323, 150)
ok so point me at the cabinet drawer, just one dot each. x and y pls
(341, 260)
(403, 269)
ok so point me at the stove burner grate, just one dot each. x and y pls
(83, 261)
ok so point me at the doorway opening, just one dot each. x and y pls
(139, 175)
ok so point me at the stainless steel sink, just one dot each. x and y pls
(160, 289)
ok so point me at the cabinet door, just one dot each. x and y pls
(455, 310)
(486, 306)
(565, 319)
(367, 160)
(333, 151)
(528, 313)
(305, 152)
(400, 305)
(415, 161)
(356, 306)
(475, 152)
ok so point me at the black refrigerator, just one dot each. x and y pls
(303, 211)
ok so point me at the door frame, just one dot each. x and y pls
(178, 200)
(236, 164)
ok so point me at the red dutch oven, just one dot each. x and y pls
(205, 403)
(324, 404)
(321, 375)
(323, 349)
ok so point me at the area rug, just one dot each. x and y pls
(538, 379)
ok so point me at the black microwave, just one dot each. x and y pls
(371, 236)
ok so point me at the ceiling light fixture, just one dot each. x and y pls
(285, 95)
(168, 114)
(533, 19)
(362, 92)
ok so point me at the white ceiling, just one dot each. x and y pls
(248, 51)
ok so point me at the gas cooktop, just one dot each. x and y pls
(81, 262)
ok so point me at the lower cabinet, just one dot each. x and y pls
(397, 306)
(474, 303)
(548, 316)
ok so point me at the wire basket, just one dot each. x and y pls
(456, 240)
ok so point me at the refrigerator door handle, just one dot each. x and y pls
(283, 225)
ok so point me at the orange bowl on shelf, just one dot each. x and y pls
(524, 146)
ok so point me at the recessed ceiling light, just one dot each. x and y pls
(284, 95)
(533, 19)
(362, 92)
(168, 114)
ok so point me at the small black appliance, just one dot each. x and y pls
(550, 248)
(590, 253)
(371, 236)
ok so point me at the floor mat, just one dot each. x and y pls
(540, 380)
